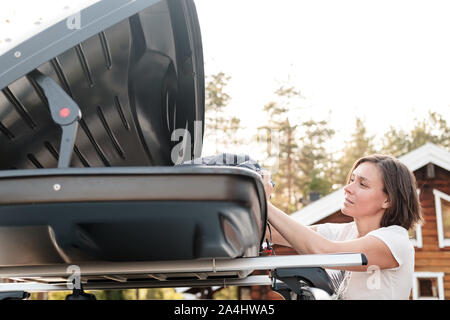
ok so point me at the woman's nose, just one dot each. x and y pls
(348, 188)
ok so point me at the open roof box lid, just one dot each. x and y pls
(135, 70)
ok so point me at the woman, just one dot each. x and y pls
(381, 197)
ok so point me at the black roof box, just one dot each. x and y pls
(135, 69)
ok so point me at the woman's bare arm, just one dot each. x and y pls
(276, 238)
(305, 241)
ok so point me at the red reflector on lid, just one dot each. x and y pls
(64, 112)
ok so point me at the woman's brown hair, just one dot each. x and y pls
(400, 186)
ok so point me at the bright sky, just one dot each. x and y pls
(385, 61)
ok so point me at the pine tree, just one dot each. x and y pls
(220, 128)
(279, 124)
(432, 129)
(303, 160)
(313, 159)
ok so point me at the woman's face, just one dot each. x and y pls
(364, 194)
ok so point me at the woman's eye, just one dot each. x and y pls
(362, 184)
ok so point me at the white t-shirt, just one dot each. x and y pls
(387, 284)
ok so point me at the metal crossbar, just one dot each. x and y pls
(114, 275)
(189, 266)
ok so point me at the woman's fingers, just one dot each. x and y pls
(267, 182)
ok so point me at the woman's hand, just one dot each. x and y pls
(268, 188)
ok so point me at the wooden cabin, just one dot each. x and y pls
(431, 167)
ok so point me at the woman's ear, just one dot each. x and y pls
(386, 203)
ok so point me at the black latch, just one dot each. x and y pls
(65, 112)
